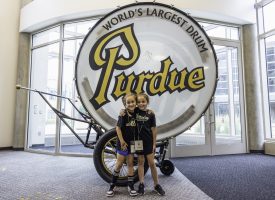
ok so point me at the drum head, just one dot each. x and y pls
(152, 48)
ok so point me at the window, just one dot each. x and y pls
(227, 99)
(269, 16)
(45, 76)
(266, 26)
(78, 29)
(220, 31)
(45, 37)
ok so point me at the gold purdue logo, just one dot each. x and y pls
(157, 83)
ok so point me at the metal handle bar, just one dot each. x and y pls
(87, 117)
(34, 90)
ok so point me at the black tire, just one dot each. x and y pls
(105, 157)
(167, 167)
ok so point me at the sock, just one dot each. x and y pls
(130, 181)
(115, 176)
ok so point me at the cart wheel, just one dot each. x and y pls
(167, 167)
(105, 159)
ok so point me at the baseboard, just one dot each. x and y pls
(257, 151)
(11, 148)
(18, 149)
(38, 145)
(5, 148)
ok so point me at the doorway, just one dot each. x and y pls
(222, 129)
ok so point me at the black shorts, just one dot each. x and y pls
(147, 148)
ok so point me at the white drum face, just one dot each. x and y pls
(151, 48)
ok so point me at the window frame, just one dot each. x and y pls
(262, 35)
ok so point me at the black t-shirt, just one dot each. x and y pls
(145, 122)
(127, 124)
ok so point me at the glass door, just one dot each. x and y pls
(222, 129)
(68, 142)
(194, 141)
(228, 134)
(42, 119)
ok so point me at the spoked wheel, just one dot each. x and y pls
(105, 159)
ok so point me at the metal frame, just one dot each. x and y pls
(87, 118)
(93, 124)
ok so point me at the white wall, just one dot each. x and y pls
(9, 28)
(41, 13)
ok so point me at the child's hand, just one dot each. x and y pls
(123, 145)
(122, 112)
(150, 111)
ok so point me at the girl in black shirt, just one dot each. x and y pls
(126, 127)
(147, 132)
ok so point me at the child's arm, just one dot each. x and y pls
(122, 141)
(154, 132)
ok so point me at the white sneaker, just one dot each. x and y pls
(111, 191)
(132, 191)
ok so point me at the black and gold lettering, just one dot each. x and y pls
(112, 60)
(156, 83)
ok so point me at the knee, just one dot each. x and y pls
(141, 162)
(130, 165)
(151, 164)
(119, 165)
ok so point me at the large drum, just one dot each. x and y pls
(152, 48)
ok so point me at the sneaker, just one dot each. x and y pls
(159, 190)
(141, 189)
(132, 191)
(111, 191)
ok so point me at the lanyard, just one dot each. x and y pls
(139, 128)
(135, 122)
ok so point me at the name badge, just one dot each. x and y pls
(132, 147)
(138, 145)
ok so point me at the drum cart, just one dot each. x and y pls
(104, 146)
